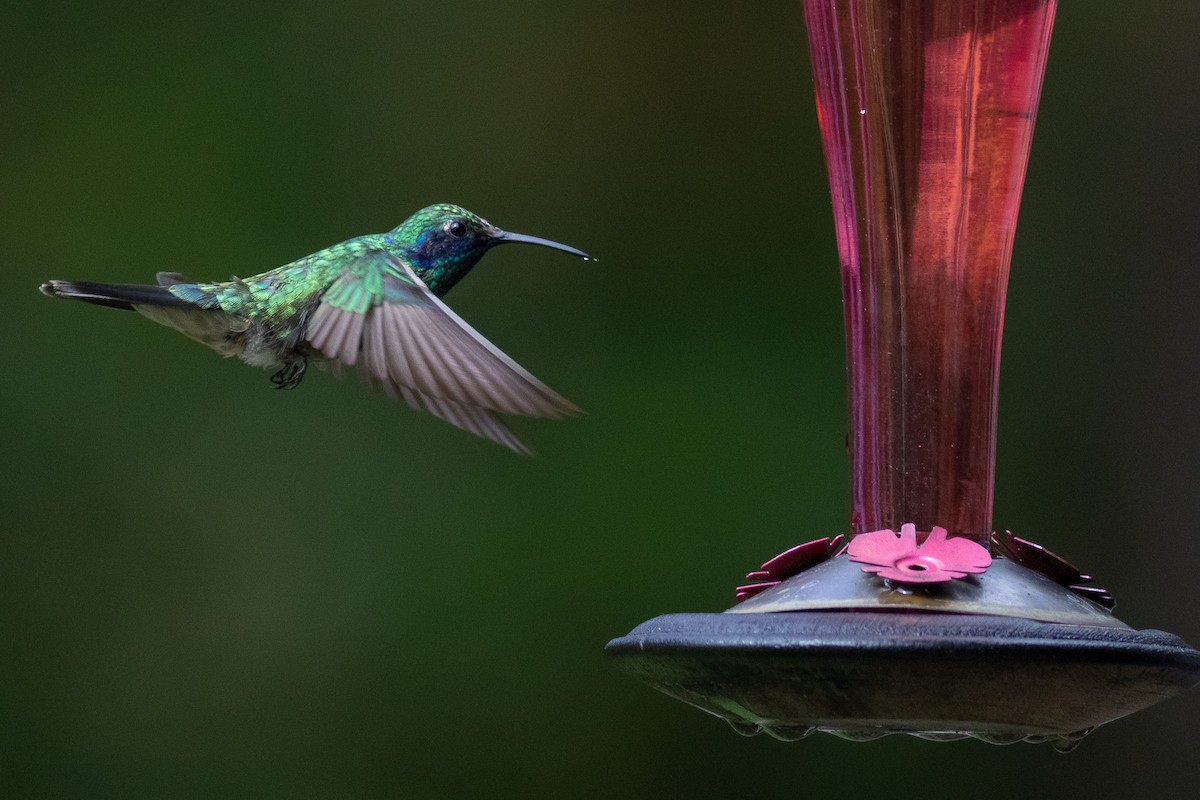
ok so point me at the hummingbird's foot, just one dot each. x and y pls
(290, 376)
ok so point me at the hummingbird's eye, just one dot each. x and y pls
(456, 227)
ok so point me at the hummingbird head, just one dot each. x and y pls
(443, 242)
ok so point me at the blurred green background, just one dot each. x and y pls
(211, 589)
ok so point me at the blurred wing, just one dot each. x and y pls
(479, 421)
(379, 316)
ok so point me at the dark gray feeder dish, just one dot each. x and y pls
(1006, 656)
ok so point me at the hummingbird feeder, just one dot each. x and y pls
(926, 110)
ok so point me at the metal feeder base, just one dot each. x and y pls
(862, 674)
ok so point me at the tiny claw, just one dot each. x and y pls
(290, 375)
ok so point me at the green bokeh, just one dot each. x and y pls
(215, 590)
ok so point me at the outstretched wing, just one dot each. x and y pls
(377, 315)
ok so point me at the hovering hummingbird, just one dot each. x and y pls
(373, 302)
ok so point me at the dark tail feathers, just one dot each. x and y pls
(113, 295)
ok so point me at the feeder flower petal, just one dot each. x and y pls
(899, 558)
(1056, 568)
(788, 563)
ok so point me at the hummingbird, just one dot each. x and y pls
(374, 303)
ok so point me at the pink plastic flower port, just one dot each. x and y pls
(901, 559)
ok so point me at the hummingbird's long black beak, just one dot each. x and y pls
(504, 237)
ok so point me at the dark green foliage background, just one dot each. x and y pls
(211, 589)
